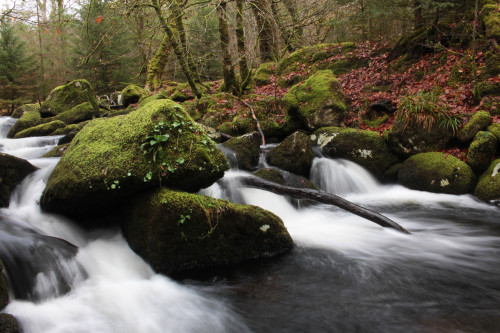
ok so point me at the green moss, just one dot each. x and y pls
(107, 150)
(366, 148)
(66, 130)
(495, 130)
(40, 130)
(175, 231)
(57, 151)
(182, 92)
(27, 120)
(488, 187)
(246, 148)
(491, 19)
(375, 123)
(160, 95)
(79, 113)
(479, 121)
(25, 108)
(437, 172)
(481, 151)
(486, 88)
(263, 74)
(132, 94)
(318, 101)
(63, 98)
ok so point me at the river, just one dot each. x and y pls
(345, 274)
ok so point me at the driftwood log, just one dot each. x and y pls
(323, 197)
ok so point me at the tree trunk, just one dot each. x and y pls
(325, 198)
(417, 14)
(265, 30)
(298, 31)
(157, 65)
(230, 83)
(177, 47)
(240, 40)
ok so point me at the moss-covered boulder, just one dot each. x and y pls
(9, 324)
(478, 122)
(66, 97)
(263, 74)
(244, 151)
(211, 133)
(282, 177)
(366, 148)
(27, 120)
(495, 130)
(41, 130)
(57, 151)
(181, 92)
(25, 108)
(132, 94)
(176, 231)
(160, 95)
(294, 154)
(488, 187)
(437, 172)
(12, 171)
(409, 139)
(112, 159)
(301, 64)
(491, 20)
(78, 114)
(481, 151)
(317, 102)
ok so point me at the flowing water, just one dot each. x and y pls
(345, 274)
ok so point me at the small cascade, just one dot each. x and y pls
(341, 177)
(5, 124)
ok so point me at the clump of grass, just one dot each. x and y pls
(424, 109)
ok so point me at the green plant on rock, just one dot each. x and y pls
(424, 109)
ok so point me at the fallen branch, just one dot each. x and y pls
(326, 198)
(256, 120)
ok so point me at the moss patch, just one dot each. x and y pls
(437, 172)
(27, 120)
(481, 151)
(25, 108)
(317, 102)
(175, 231)
(104, 163)
(263, 74)
(79, 113)
(132, 94)
(491, 19)
(479, 121)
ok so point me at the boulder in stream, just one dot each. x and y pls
(246, 149)
(294, 154)
(177, 231)
(112, 159)
(66, 97)
(9, 324)
(437, 172)
(488, 187)
(12, 172)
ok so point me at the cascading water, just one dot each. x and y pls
(345, 274)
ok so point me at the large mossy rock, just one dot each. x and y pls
(488, 187)
(263, 74)
(482, 151)
(478, 122)
(491, 20)
(294, 154)
(317, 102)
(409, 139)
(66, 97)
(40, 130)
(246, 150)
(105, 163)
(132, 94)
(365, 148)
(12, 172)
(437, 172)
(176, 231)
(27, 120)
(495, 130)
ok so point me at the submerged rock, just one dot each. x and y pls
(12, 172)
(365, 148)
(176, 231)
(437, 172)
(115, 158)
(317, 102)
(488, 187)
(294, 154)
